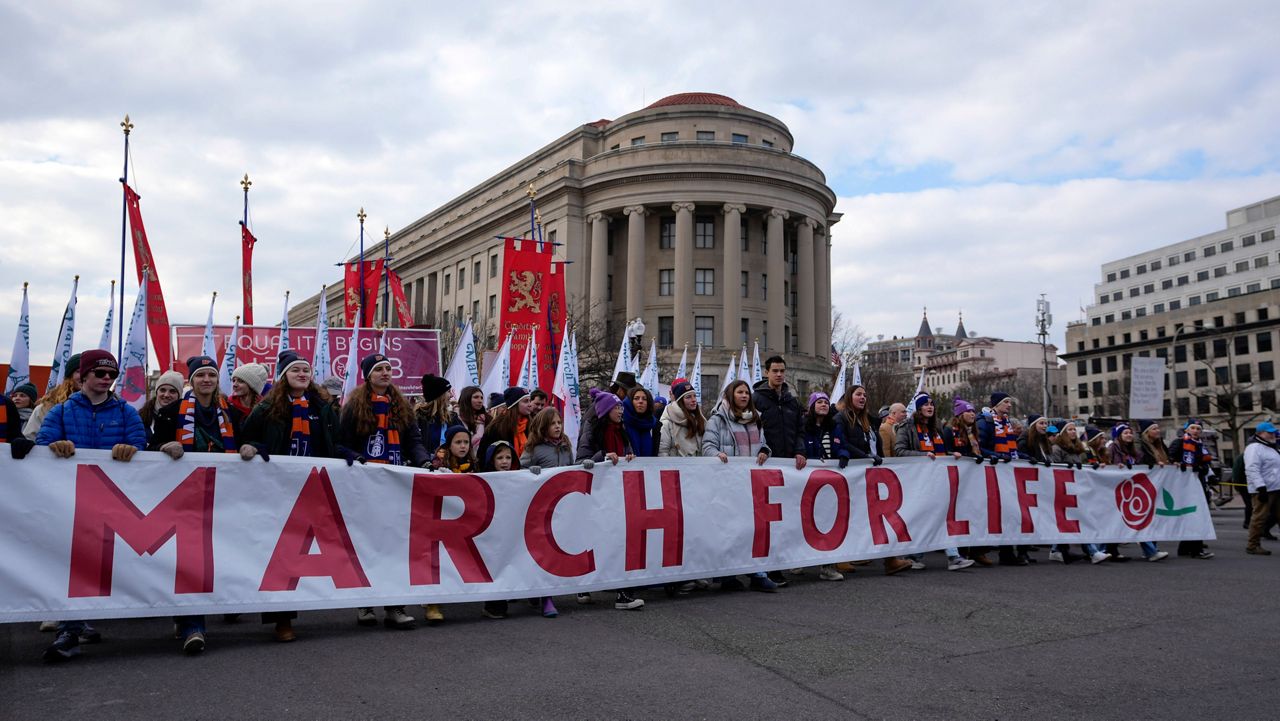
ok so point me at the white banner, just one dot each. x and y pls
(1146, 387)
(88, 537)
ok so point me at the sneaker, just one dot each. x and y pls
(585, 599)
(957, 563)
(778, 578)
(1056, 557)
(1259, 551)
(549, 608)
(193, 644)
(1205, 555)
(64, 648)
(434, 615)
(399, 620)
(627, 602)
(829, 573)
(48, 626)
(916, 565)
(89, 634)
(1099, 557)
(365, 617)
(763, 584)
(1157, 556)
(494, 609)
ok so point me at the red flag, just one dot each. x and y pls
(246, 271)
(372, 287)
(524, 294)
(403, 314)
(157, 316)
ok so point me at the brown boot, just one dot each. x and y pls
(894, 565)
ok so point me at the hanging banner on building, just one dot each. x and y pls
(88, 537)
(527, 267)
(1146, 388)
(413, 352)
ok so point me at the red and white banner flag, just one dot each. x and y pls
(157, 315)
(89, 537)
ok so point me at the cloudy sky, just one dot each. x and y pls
(983, 152)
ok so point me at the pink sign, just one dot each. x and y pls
(413, 352)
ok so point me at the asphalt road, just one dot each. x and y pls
(1178, 639)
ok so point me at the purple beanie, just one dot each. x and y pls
(604, 402)
(961, 406)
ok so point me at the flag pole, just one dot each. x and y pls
(247, 301)
(126, 126)
(361, 216)
(386, 274)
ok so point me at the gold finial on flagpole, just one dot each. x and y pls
(126, 125)
(245, 182)
(361, 215)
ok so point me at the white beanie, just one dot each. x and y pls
(254, 375)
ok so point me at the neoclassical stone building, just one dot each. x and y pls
(692, 214)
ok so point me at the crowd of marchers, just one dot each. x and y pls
(463, 431)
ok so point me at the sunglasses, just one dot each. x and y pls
(99, 373)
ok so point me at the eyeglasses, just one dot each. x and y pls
(99, 373)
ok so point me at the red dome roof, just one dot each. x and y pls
(696, 99)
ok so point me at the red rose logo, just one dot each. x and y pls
(1136, 499)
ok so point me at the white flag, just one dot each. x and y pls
(623, 364)
(20, 359)
(837, 390)
(353, 362)
(284, 326)
(208, 346)
(66, 338)
(566, 389)
(743, 371)
(228, 365)
(756, 374)
(497, 377)
(104, 343)
(696, 377)
(132, 386)
(322, 362)
(684, 363)
(464, 368)
(649, 379)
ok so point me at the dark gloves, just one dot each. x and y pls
(19, 447)
(877, 460)
(844, 463)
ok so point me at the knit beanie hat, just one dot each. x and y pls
(1117, 429)
(28, 390)
(997, 397)
(369, 362)
(287, 360)
(254, 375)
(513, 395)
(200, 362)
(433, 386)
(173, 379)
(604, 402)
(960, 405)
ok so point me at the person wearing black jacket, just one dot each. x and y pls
(781, 415)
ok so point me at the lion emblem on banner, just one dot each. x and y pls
(524, 291)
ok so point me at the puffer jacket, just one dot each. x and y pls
(781, 417)
(93, 427)
(728, 436)
(675, 440)
(548, 455)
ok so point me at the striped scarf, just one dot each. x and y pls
(928, 443)
(383, 445)
(194, 436)
(300, 428)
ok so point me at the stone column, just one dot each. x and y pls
(807, 315)
(822, 281)
(683, 274)
(730, 286)
(635, 261)
(775, 261)
(598, 286)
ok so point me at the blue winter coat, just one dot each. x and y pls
(89, 427)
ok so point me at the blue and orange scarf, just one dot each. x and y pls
(383, 445)
(193, 421)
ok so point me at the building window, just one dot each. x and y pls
(745, 328)
(705, 135)
(739, 138)
(666, 281)
(493, 266)
(704, 232)
(746, 284)
(704, 281)
(666, 331)
(475, 269)
(704, 330)
(667, 233)
(670, 137)
(638, 141)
